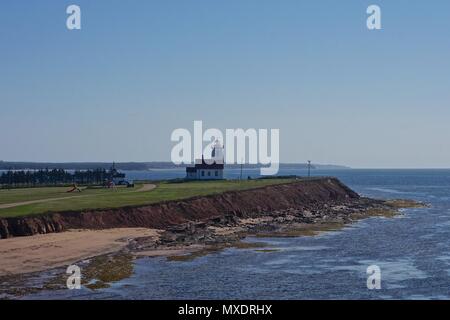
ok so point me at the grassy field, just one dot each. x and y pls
(95, 198)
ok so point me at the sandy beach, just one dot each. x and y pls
(41, 252)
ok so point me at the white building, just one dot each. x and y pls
(211, 169)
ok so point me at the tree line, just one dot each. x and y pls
(54, 176)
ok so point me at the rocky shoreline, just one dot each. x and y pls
(202, 225)
(229, 229)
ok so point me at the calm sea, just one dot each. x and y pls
(412, 251)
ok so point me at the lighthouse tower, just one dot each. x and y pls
(217, 154)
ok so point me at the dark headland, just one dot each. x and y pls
(306, 201)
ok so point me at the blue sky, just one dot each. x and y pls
(137, 70)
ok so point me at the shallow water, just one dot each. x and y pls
(412, 250)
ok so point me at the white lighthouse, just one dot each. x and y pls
(211, 169)
(217, 154)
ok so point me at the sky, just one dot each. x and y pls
(137, 70)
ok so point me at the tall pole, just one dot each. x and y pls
(309, 168)
(241, 172)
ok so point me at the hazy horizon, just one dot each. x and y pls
(344, 166)
(116, 89)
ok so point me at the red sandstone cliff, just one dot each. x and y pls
(299, 195)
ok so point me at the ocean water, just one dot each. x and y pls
(412, 251)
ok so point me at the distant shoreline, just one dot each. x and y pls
(18, 165)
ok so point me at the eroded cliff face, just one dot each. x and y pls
(302, 195)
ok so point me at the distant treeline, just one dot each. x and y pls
(4, 165)
(53, 177)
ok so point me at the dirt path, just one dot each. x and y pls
(144, 188)
(23, 203)
(147, 187)
(47, 251)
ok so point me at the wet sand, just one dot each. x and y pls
(42, 252)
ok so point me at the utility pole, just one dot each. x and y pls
(242, 160)
(309, 168)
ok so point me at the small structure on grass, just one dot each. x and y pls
(209, 169)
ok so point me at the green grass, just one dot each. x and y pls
(96, 198)
(30, 194)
